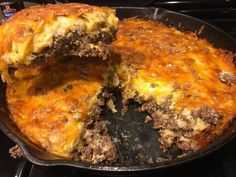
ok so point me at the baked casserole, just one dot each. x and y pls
(58, 81)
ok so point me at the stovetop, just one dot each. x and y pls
(221, 13)
(221, 163)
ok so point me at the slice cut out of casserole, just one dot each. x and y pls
(56, 30)
(54, 97)
(58, 108)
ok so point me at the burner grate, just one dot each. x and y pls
(219, 13)
(222, 18)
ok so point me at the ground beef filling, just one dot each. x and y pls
(97, 145)
(178, 129)
(227, 78)
(78, 43)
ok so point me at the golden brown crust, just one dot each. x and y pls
(158, 62)
(21, 33)
(51, 108)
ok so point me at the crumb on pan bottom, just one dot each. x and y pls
(15, 152)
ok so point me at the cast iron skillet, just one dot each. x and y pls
(137, 141)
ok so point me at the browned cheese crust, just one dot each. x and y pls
(41, 31)
(186, 85)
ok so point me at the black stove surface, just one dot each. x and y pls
(221, 163)
(221, 13)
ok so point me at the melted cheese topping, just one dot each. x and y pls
(52, 107)
(43, 36)
(157, 61)
(25, 35)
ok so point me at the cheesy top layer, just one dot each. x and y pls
(158, 61)
(33, 29)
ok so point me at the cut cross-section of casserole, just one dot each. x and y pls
(58, 107)
(51, 57)
(186, 85)
(56, 30)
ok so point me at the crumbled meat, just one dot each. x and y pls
(166, 104)
(110, 99)
(187, 144)
(207, 114)
(149, 106)
(227, 77)
(15, 152)
(167, 138)
(98, 146)
(146, 159)
(95, 112)
(147, 119)
(67, 88)
(176, 128)
(80, 44)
